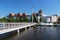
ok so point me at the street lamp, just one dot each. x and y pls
(32, 14)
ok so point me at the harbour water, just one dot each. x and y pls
(37, 33)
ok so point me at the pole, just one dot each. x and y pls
(32, 14)
(32, 18)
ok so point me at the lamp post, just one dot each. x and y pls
(32, 14)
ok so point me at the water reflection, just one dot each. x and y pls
(39, 33)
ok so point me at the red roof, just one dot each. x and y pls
(24, 14)
(19, 14)
(11, 14)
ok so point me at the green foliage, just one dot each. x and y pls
(34, 19)
(54, 23)
(41, 20)
(3, 19)
(58, 20)
(24, 19)
(10, 19)
(17, 19)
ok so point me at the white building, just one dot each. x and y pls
(47, 18)
(54, 18)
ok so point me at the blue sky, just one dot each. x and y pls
(49, 7)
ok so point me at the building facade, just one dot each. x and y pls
(39, 17)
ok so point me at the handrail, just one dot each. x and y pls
(12, 25)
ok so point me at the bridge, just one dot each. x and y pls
(8, 27)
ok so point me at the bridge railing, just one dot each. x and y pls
(12, 25)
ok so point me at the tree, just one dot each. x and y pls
(41, 19)
(3, 19)
(10, 19)
(34, 19)
(24, 19)
(58, 20)
(31, 19)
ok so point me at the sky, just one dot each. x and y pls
(49, 7)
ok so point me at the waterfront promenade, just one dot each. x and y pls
(8, 27)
